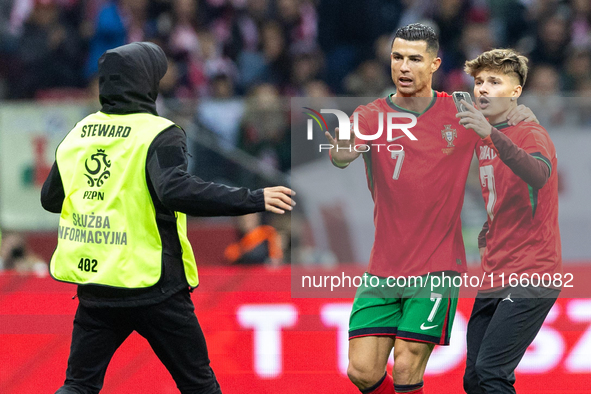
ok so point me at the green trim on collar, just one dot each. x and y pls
(502, 125)
(398, 108)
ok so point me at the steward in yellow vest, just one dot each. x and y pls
(105, 238)
(121, 186)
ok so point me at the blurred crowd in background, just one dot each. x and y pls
(238, 57)
(227, 48)
(233, 64)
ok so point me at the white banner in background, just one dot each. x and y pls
(29, 135)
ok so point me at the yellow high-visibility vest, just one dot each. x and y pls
(107, 231)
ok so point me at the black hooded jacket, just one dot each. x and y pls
(128, 83)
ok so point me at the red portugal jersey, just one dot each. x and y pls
(523, 235)
(418, 193)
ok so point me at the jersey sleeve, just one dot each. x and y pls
(523, 164)
(482, 235)
(537, 143)
(177, 190)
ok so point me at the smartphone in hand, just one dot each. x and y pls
(459, 96)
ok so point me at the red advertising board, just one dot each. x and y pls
(261, 340)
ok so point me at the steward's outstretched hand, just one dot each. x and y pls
(278, 199)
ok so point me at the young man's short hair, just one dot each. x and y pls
(505, 61)
(419, 32)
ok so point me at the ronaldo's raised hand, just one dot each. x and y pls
(343, 151)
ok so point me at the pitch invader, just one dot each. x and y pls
(521, 236)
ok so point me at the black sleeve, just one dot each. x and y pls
(179, 191)
(482, 235)
(531, 170)
(52, 193)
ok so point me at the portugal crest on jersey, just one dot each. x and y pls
(449, 135)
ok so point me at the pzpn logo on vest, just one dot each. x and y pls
(97, 167)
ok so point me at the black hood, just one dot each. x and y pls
(129, 76)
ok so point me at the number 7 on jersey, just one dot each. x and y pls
(399, 157)
(487, 179)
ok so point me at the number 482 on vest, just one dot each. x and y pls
(87, 265)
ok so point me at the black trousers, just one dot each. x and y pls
(502, 325)
(170, 327)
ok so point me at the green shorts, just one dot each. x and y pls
(414, 311)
